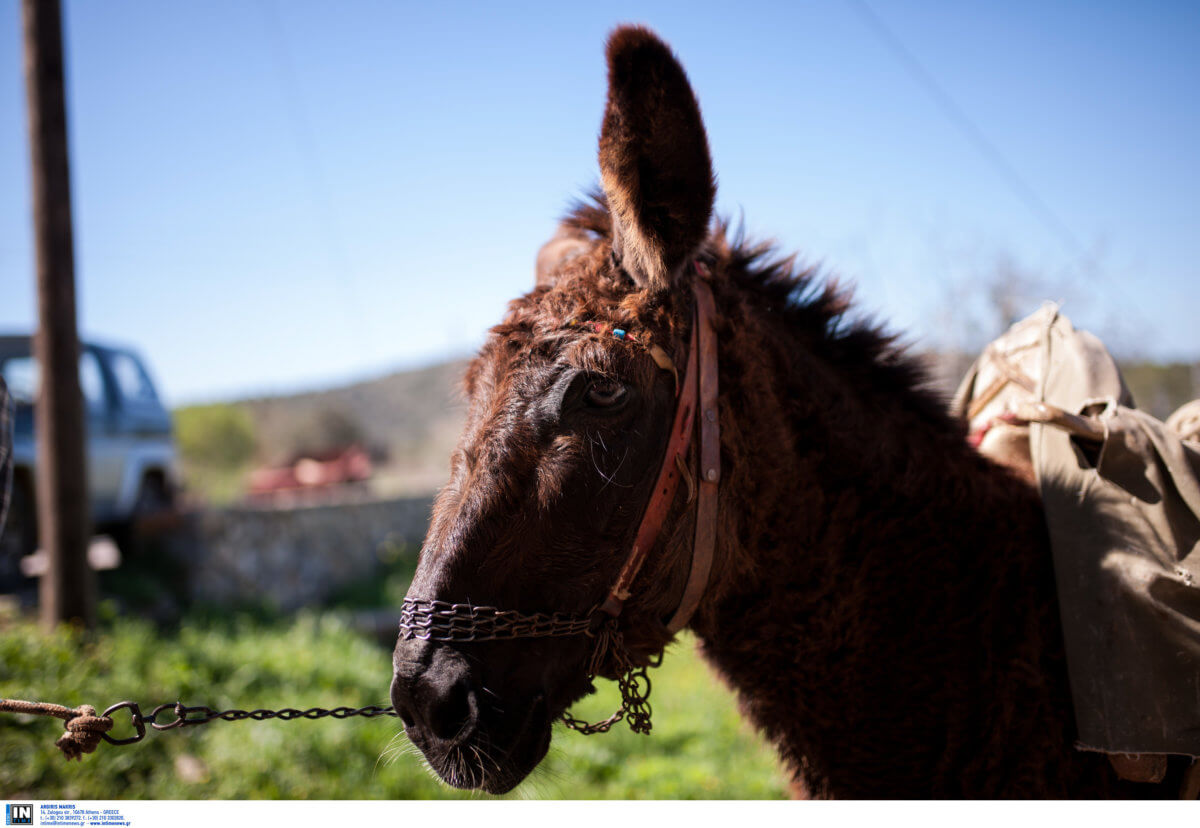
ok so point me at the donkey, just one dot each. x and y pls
(880, 596)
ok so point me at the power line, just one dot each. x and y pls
(1085, 261)
(344, 271)
(974, 135)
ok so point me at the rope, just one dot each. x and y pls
(84, 728)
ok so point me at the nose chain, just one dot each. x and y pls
(443, 621)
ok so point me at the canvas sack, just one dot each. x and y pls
(1123, 512)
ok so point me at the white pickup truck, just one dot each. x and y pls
(130, 450)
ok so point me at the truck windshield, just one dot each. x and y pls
(22, 377)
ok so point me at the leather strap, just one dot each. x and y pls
(710, 463)
(698, 393)
(664, 487)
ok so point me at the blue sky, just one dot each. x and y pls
(280, 195)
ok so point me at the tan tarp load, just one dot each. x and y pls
(1124, 518)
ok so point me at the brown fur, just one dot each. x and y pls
(654, 159)
(882, 597)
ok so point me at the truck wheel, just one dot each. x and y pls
(153, 499)
(18, 537)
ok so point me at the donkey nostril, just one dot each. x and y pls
(452, 714)
(400, 702)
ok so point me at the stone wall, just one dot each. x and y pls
(295, 556)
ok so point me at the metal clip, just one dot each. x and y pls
(135, 715)
(181, 712)
(175, 707)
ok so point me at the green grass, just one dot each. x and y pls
(699, 747)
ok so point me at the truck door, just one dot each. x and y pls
(105, 455)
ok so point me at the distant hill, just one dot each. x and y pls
(410, 420)
(1159, 387)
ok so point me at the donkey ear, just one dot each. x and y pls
(565, 245)
(654, 159)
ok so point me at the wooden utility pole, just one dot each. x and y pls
(68, 589)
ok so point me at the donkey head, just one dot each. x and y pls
(567, 428)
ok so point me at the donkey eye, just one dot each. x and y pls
(605, 394)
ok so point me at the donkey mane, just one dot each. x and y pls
(809, 305)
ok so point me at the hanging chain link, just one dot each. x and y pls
(633, 682)
(634, 709)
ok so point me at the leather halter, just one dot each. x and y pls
(697, 394)
(441, 621)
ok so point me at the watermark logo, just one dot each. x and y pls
(18, 813)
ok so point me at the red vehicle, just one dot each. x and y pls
(310, 474)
